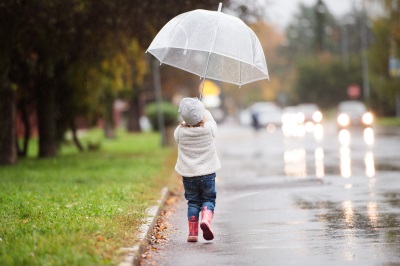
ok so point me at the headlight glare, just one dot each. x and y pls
(343, 120)
(367, 118)
(317, 117)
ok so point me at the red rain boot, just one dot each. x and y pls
(193, 229)
(205, 225)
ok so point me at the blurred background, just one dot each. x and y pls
(68, 66)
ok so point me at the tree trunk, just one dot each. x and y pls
(133, 114)
(75, 137)
(8, 150)
(27, 126)
(46, 113)
(109, 125)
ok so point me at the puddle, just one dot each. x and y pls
(387, 167)
(308, 205)
(393, 198)
(332, 170)
(366, 222)
(344, 219)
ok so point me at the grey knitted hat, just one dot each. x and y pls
(192, 110)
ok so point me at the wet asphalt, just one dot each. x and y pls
(325, 198)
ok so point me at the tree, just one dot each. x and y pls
(45, 44)
(316, 43)
(9, 33)
(323, 80)
(8, 151)
(385, 88)
(312, 30)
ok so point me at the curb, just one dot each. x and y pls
(145, 231)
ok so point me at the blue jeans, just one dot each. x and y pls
(199, 192)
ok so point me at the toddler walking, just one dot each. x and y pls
(197, 163)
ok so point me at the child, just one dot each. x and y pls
(197, 163)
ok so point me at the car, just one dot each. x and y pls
(244, 116)
(292, 122)
(353, 114)
(310, 112)
(292, 115)
(267, 113)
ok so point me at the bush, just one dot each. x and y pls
(169, 110)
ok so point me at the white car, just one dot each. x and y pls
(353, 113)
(292, 115)
(310, 112)
(267, 113)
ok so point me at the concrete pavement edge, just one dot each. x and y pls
(135, 252)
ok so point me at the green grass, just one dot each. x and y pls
(388, 121)
(80, 208)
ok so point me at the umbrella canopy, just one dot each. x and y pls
(211, 45)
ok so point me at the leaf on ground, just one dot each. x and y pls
(171, 200)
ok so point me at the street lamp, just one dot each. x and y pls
(348, 20)
(364, 46)
(320, 11)
(364, 55)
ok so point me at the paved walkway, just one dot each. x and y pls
(273, 208)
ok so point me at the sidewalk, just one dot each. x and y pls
(175, 250)
(145, 232)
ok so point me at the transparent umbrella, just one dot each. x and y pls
(212, 45)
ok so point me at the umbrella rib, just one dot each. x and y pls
(170, 41)
(212, 46)
(251, 46)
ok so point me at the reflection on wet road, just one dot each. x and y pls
(350, 216)
(315, 196)
(295, 158)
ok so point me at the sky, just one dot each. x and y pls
(279, 12)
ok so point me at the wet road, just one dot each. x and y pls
(325, 198)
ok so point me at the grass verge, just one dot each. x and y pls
(80, 208)
(388, 121)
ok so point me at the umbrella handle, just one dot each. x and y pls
(202, 87)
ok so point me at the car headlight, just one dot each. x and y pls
(367, 118)
(317, 117)
(343, 120)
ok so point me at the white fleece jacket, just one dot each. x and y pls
(197, 154)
